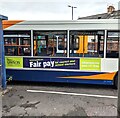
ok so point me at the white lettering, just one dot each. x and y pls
(52, 63)
(31, 64)
(48, 64)
(35, 64)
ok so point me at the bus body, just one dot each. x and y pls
(84, 51)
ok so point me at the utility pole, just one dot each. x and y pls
(2, 64)
(72, 10)
(2, 54)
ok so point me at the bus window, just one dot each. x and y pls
(74, 42)
(40, 45)
(86, 44)
(50, 43)
(100, 45)
(51, 47)
(17, 43)
(112, 44)
(61, 44)
(11, 46)
(24, 48)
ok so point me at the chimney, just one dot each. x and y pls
(110, 9)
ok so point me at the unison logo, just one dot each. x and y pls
(13, 62)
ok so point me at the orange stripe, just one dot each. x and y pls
(106, 76)
(8, 23)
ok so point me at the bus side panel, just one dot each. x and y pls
(57, 76)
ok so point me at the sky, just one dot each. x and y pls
(53, 9)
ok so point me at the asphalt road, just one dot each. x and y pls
(57, 99)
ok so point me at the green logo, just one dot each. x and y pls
(92, 64)
(14, 62)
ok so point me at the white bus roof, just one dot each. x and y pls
(88, 24)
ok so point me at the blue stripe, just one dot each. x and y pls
(52, 76)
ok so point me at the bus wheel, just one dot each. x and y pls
(116, 82)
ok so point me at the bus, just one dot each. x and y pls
(78, 51)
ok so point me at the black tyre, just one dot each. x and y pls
(116, 82)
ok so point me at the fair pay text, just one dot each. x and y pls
(39, 64)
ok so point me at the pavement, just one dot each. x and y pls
(16, 101)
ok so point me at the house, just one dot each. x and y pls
(111, 14)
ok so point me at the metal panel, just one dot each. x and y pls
(109, 65)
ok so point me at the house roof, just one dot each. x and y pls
(112, 15)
